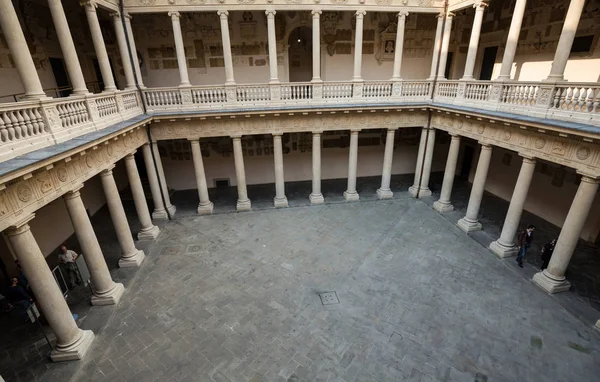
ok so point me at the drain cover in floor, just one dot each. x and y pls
(329, 298)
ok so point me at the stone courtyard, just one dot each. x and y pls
(236, 297)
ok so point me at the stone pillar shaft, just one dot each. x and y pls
(474, 41)
(513, 39)
(180, 49)
(159, 207)
(396, 73)
(420, 187)
(67, 47)
(162, 180)
(131, 256)
(205, 206)
(11, 28)
(229, 79)
(272, 46)
(243, 203)
(351, 193)
(71, 342)
(565, 42)
(469, 222)
(445, 45)
(436, 45)
(136, 62)
(280, 198)
(384, 192)
(105, 290)
(99, 47)
(316, 46)
(443, 204)
(148, 231)
(123, 51)
(358, 41)
(316, 197)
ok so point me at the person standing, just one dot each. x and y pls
(19, 298)
(525, 238)
(68, 257)
(547, 251)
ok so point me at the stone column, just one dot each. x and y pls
(272, 47)
(316, 197)
(384, 192)
(229, 79)
(358, 40)
(505, 245)
(470, 223)
(443, 204)
(552, 279)
(162, 180)
(205, 206)
(136, 61)
(316, 46)
(396, 74)
(474, 41)
(445, 45)
(436, 46)
(99, 47)
(513, 39)
(159, 208)
(350, 194)
(17, 45)
(123, 51)
(280, 198)
(243, 203)
(131, 256)
(105, 290)
(71, 342)
(184, 80)
(148, 231)
(565, 42)
(420, 187)
(67, 47)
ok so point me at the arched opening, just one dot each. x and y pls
(300, 55)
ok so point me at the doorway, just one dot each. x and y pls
(487, 64)
(300, 55)
(467, 162)
(60, 76)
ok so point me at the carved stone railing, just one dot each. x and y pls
(565, 101)
(31, 125)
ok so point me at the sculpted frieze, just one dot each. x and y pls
(286, 123)
(576, 154)
(31, 192)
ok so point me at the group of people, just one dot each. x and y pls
(18, 295)
(524, 242)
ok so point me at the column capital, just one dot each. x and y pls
(485, 145)
(354, 131)
(403, 13)
(450, 15)
(317, 132)
(174, 15)
(455, 135)
(223, 14)
(127, 16)
(130, 156)
(115, 15)
(108, 171)
(236, 136)
(440, 15)
(89, 5)
(391, 129)
(270, 13)
(316, 13)
(20, 227)
(360, 14)
(528, 158)
(277, 134)
(194, 141)
(480, 5)
(74, 193)
(593, 179)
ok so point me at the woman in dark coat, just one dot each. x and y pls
(547, 253)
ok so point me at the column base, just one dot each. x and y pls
(172, 209)
(351, 196)
(597, 326)
(73, 352)
(502, 250)
(422, 191)
(384, 194)
(205, 209)
(442, 206)
(316, 199)
(148, 234)
(132, 261)
(548, 283)
(280, 202)
(112, 297)
(160, 215)
(468, 226)
(243, 205)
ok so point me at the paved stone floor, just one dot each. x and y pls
(236, 297)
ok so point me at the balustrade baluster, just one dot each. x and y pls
(27, 125)
(3, 131)
(15, 124)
